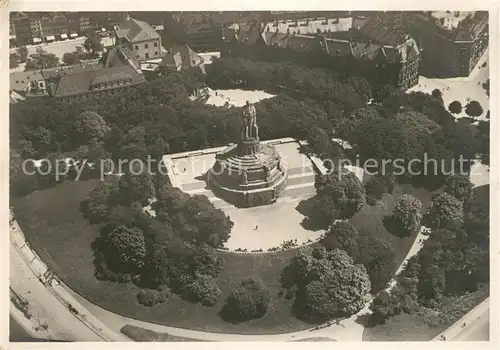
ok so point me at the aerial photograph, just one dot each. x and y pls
(223, 176)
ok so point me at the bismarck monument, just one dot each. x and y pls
(249, 173)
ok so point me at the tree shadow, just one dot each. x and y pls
(393, 226)
(310, 221)
(365, 320)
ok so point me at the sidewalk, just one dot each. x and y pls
(479, 313)
(51, 299)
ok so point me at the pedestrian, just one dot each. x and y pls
(256, 227)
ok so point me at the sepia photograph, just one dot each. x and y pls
(238, 176)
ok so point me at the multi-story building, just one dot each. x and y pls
(381, 61)
(20, 22)
(53, 24)
(94, 83)
(452, 41)
(140, 38)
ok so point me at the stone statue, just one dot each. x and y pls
(245, 177)
(250, 129)
(266, 172)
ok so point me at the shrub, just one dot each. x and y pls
(248, 301)
(205, 289)
(151, 297)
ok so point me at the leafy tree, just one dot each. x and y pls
(151, 297)
(377, 255)
(204, 289)
(93, 44)
(194, 216)
(90, 125)
(437, 93)
(347, 127)
(41, 60)
(71, 58)
(99, 200)
(455, 107)
(444, 211)
(407, 212)
(248, 301)
(319, 141)
(459, 186)
(377, 186)
(14, 60)
(205, 261)
(136, 188)
(382, 139)
(339, 290)
(344, 236)
(339, 195)
(22, 53)
(473, 109)
(126, 249)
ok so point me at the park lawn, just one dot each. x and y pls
(370, 219)
(54, 226)
(425, 326)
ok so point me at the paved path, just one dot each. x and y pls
(474, 326)
(108, 324)
(43, 306)
(48, 302)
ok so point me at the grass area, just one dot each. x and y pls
(426, 324)
(146, 335)
(53, 224)
(370, 219)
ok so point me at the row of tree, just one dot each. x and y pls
(454, 259)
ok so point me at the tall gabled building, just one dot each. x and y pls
(140, 38)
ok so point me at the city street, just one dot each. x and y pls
(59, 48)
(474, 326)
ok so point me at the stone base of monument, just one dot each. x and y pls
(251, 195)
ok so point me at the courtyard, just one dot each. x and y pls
(235, 97)
(462, 89)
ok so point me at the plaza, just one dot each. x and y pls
(462, 89)
(261, 227)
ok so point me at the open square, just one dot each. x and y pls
(257, 228)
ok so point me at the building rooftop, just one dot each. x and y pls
(310, 26)
(181, 55)
(81, 82)
(135, 31)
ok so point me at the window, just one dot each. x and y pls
(145, 46)
(147, 55)
(156, 53)
(137, 47)
(17, 81)
(156, 44)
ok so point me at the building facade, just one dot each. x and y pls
(140, 38)
(395, 62)
(452, 44)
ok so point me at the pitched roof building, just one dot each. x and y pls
(140, 38)
(369, 51)
(180, 57)
(94, 83)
